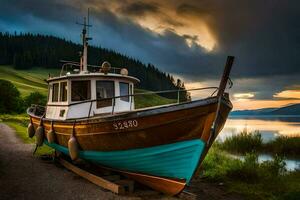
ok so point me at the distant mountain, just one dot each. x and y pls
(287, 110)
(293, 109)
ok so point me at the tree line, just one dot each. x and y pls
(26, 50)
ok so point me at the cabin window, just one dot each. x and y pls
(81, 90)
(124, 90)
(63, 91)
(104, 89)
(55, 92)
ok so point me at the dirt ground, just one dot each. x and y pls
(24, 176)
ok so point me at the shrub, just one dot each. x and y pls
(284, 145)
(10, 100)
(217, 164)
(243, 142)
(35, 98)
(274, 167)
(247, 170)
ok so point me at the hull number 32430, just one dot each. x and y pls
(125, 124)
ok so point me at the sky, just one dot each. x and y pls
(187, 38)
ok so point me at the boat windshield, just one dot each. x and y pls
(124, 91)
(105, 89)
(81, 90)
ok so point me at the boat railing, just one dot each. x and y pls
(176, 101)
(74, 68)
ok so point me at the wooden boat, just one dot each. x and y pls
(91, 116)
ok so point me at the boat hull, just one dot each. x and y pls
(148, 128)
(177, 160)
(163, 150)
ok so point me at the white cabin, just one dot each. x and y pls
(81, 95)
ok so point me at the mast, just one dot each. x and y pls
(85, 39)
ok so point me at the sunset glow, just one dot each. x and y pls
(241, 96)
(295, 94)
(193, 29)
(258, 104)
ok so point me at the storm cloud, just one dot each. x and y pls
(188, 38)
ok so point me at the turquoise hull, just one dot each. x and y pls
(176, 160)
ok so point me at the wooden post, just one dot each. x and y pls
(225, 75)
(118, 189)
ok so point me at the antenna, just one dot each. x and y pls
(88, 22)
(85, 39)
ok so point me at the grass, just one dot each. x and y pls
(246, 142)
(27, 81)
(142, 101)
(243, 142)
(251, 179)
(19, 124)
(283, 145)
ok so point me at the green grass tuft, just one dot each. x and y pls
(284, 145)
(149, 100)
(27, 81)
(249, 178)
(247, 142)
(243, 143)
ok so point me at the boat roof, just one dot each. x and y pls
(94, 75)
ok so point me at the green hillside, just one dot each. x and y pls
(28, 81)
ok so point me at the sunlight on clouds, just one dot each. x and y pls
(240, 96)
(248, 104)
(193, 30)
(198, 34)
(198, 94)
(288, 94)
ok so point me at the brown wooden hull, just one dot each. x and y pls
(172, 124)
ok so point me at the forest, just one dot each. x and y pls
(26, 50)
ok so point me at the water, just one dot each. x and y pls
(291, 164)
(269, 127)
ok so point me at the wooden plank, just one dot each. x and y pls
(93, 178)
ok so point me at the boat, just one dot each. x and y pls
(91, 115)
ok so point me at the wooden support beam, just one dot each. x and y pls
(118, 189)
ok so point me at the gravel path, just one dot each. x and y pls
(23, 176)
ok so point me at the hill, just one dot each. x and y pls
(28, 81)
(287, 110)
(293, 109)
(26, 51)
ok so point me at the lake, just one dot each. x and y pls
(269, 127)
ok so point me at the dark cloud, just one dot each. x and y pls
(139, 8)
(263, 35)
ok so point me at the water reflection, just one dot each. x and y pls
(291, 164)
(269, 127)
